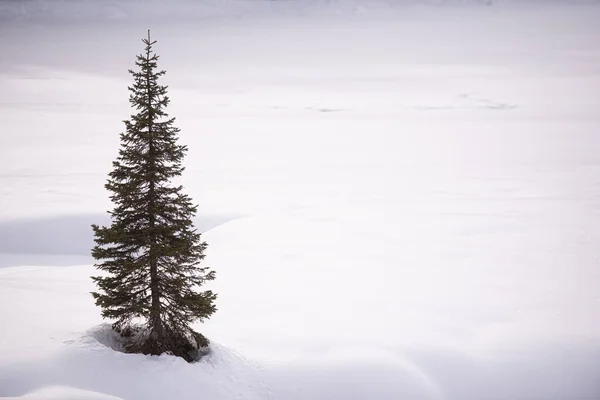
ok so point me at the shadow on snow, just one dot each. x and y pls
(63, 240)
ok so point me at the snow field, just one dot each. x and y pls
(399, 203)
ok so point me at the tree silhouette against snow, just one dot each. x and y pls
(151, 253)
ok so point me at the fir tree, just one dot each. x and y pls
(151, 252)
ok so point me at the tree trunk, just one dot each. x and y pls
(156, 325)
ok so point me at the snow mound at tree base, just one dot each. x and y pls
(89, 368)
(106, 335)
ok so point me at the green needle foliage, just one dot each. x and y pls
(151, 253)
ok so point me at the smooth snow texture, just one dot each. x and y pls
(87, 363)
(64, 393)
(400, 202)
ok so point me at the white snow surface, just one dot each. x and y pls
(401, 199)
(64, 393)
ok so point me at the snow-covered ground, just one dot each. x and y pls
(401, 200)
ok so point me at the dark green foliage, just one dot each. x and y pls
(151, 253)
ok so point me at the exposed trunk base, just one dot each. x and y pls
(142, 340)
